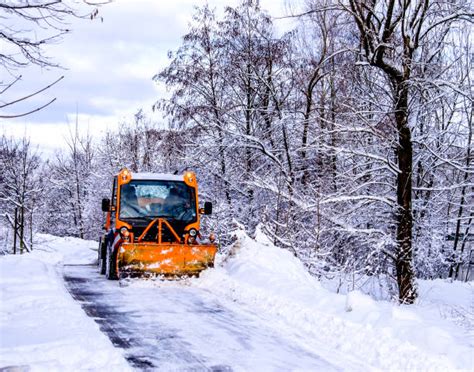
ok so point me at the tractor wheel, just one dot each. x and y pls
(102, 257)
(98, 250)
(111, 262)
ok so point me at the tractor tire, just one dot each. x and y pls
(102, 257)
(98, 250)
(111, 263)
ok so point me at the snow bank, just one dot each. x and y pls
(41, 326)
(378, 334)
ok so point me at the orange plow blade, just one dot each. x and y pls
(164, 259)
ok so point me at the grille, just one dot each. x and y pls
(151, 235)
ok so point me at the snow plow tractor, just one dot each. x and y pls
(152, 227)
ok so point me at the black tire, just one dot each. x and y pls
(111, 263)
(98, 251)
(102, 257)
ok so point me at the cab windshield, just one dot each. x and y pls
(172, 200)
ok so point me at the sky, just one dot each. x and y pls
(108, 68)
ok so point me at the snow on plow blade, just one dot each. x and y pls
(164, 259)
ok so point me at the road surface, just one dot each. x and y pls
(174, 326)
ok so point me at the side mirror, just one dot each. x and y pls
(207, 208)
(105, 205)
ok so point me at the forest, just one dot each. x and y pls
(348, 139)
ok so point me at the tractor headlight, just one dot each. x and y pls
(189, 177)
(212, 237)
(193, 232)
(125, 233)
(125, 175)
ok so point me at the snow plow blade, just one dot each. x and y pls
(136, 259)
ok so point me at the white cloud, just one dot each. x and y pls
(110, 66)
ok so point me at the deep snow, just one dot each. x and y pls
(382, 334)
(42, 327)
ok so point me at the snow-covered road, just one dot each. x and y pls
(174, 326)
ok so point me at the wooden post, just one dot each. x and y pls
(15, 230)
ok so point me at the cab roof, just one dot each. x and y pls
(157, 176)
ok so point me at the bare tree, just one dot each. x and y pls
(392, 35)
(20, 184)
(27, 28)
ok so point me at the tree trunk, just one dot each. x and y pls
(15, 230)
(463, 246)
(404, 256)
(461, 207)
(248, 132)
(304, 140)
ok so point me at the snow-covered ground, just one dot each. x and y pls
(42, 327)
(431, 335)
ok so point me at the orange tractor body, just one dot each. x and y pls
(152, 227)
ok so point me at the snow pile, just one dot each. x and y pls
(41, 326)
(379, 334)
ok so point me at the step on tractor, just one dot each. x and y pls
(152, 227)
